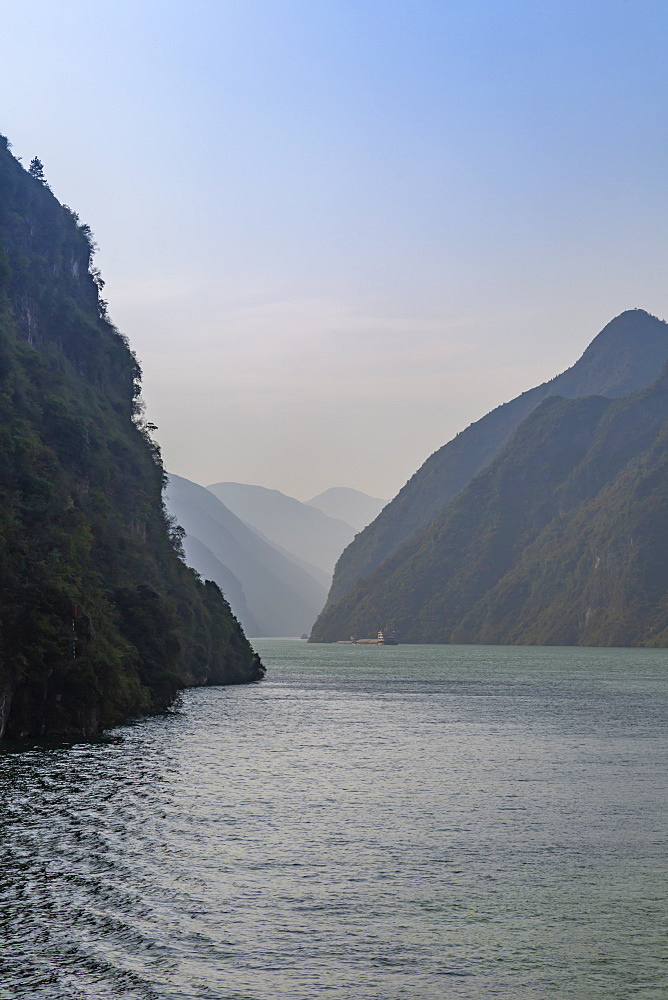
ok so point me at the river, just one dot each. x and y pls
(419, 822)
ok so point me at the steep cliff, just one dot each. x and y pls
(99, 617)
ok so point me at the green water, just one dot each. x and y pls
(399, 822)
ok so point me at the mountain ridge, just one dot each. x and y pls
(298, 528)
(282, 598)
(561, 540)
(348, 505)
(613, 364)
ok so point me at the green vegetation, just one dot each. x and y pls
(81, 516)
(560, 541)
(627, 355)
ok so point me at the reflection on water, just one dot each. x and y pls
(418, 822)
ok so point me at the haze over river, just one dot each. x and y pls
(419, 822)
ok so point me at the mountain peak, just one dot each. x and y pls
(620, 359)
(628, 354)
(349, 505)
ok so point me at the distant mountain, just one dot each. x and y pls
(280, 598)
(299, 529)
(561, 540)
(351, 506)
(628, 354)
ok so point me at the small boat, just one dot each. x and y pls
(388, 638)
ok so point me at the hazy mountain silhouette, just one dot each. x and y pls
(299, 529)
(281, 598)
(355, 508)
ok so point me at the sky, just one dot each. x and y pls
(336, 232)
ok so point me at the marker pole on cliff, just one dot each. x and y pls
(74, 612)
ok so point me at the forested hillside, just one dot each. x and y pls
(627, 354)
(561, 540)
(99, 617)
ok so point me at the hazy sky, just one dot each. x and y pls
(338, 231)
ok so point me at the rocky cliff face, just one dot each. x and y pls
(99, 617)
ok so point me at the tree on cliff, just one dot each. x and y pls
(36, 169)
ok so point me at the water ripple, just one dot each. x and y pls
(381, 824)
